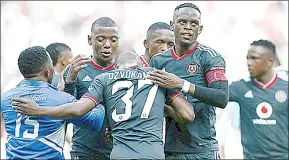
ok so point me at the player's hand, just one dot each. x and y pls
(77, 64)
(165, 79)
(25, 106)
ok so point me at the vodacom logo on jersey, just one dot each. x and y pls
(264, 111)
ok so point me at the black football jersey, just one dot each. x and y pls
(263, 117)
(84, 141)
(198, 136)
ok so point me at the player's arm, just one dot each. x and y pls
(180, 109)
(170, 112)
(216, 96)
(233, 92)
(216, 92)
(93, 120)
(68, 110)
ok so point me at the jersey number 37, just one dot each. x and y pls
(127, 99)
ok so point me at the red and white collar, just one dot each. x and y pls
(100, 67)
(269, 84)
(144, 61)
(175, 56)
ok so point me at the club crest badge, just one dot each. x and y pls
(281, 96)
(192, 68)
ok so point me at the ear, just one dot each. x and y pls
(89, 40)
(118, 41)
(63, 61)
(271, 62)
(145, 44)
(172, 25)
(201, 29)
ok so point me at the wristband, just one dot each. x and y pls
(186, 86)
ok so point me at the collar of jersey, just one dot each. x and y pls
(100, 67)
(134, 66)
(144, 61)
(269, 84)
(38, 84)
(175, 56)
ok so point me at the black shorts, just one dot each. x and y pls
(190, 156)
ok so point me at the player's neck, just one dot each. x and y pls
(267, 77)
(40, 78)
(58, 68)
(146, 56)
(102, 63)
(181, 50)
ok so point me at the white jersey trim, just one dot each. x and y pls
(57, 137)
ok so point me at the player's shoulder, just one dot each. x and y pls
(241, 81)
(102, 75)
(146, 69)
(56, 94)
(163, 54)
(68, 97)
(8, 94)
(208, 51)
(6, 97)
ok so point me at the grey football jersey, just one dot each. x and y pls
(135, 109)
(263, 117)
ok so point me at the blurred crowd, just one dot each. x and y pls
(229, 27)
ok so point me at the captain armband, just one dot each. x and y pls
(216, 75)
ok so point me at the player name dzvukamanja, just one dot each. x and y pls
(127, 74)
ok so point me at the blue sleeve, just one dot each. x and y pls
(93, 120)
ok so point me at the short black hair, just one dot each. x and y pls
(127, 56)
(55, 49)
(157, 26)
(32, 60)
(103, 22)
(267, 44)
(189, 5)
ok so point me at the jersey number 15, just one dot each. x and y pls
(27, 121)
(127, 99)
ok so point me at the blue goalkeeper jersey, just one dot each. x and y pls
(33, 137)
